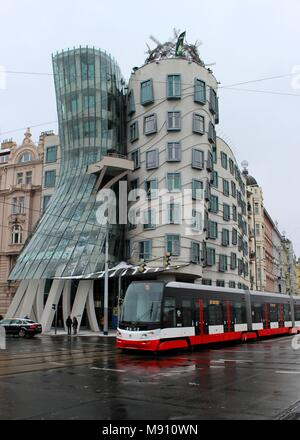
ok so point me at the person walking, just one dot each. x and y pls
(69, 325)
(75, 325)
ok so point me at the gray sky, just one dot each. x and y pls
(248, 39)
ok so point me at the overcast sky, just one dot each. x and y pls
(247, 39)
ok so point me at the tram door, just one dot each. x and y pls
(229, 316)
(266, 315)
(281, 316)
(200, 317)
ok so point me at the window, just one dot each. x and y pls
(234, 237)
(130, 103)
(198, 123)
(223, 263)
(174, 214)
(220, 283)
(214, 204)
(206, 282)
(26, 157)
(213, 106)
(214, 179)
(147, 92)
(173, 182)
(134, 131)
(196, 220)
(240, 267)
(211, 133)
(174, 87)
(225, 237)
(197, 159)
(152, 159)
(89, 128)
(19, 178)
(233, 261)
(16, 234)
(50, 177)
(150, 124)
(232, 285)
(233, 189)
(195, 249)
(134, 184)
(18, 205)
(210, 256)
(28, 177)
(197, 189)
(88, 70)
(174, 121)
(226, 212)
(257, 230)
(75, 131)
(89, 101)
(173, 152)
(215, 313)
(145, 250)
(234, 213)
(46, 200)
(231, 166)
(74, 104)
(135, 157)
(224, 160)
(225, 187)
(212, 230)
(200, 91)
(169, 313)
(173, 244)
(151, 187)
(51, 154)
(149, 219)
(256, 208)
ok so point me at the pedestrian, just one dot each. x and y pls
(102, 323)
(69, 324)
(75, 325)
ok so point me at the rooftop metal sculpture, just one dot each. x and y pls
(174, 48)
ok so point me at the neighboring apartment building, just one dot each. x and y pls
(51, 168)
(20, 200)
(298, 277)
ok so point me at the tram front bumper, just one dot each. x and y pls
(151, 345)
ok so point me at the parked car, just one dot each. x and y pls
(21, 327)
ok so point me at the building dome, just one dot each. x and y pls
(250, 180)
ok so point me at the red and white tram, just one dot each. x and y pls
(159, 316)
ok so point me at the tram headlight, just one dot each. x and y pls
(119, 334)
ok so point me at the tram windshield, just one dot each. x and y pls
(142, 303)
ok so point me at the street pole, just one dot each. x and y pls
(56, 320)
(105, 332)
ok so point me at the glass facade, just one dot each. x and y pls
(68, 240)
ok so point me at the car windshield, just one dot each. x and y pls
(142, 303)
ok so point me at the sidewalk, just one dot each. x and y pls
(60, 332)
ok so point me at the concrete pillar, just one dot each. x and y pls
(80, 300)
(39, 303)
(17, 300)
(90, 308)
(67, 301)
(53, 298)
(29, 299)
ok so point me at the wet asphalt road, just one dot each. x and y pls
(85, 378)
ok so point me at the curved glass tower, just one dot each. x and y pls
(68, 241)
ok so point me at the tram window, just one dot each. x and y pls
(169, 315)
(256, 313)
(215, 313)
(240, 313)
(186, 313)
(286, 312)
(297, 313)
(273, 312)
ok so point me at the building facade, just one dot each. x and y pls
(51, 166)
(21, 169)
(173, 111)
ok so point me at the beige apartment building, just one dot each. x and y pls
(21, 170)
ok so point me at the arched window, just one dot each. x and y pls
(16, 234)
(26, 157)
